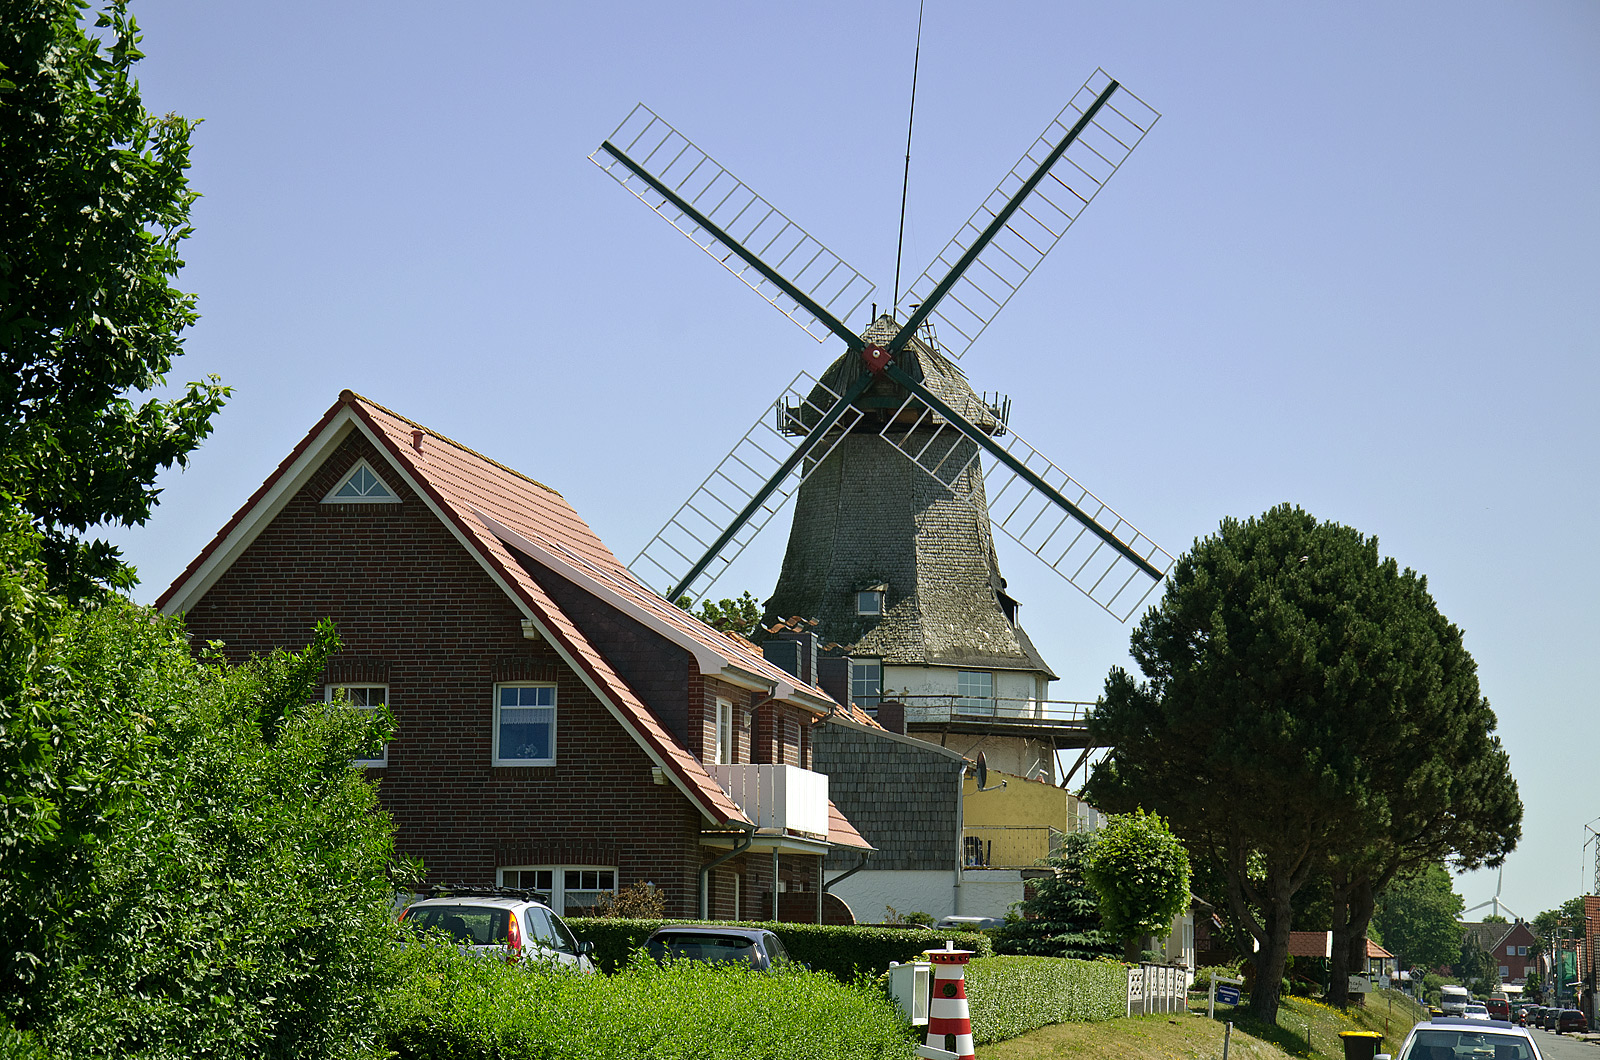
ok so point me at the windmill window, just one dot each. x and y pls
(525, 725)
(366, 699)
(870, 601)
(866, 683)
(361, 485)
(975, 691)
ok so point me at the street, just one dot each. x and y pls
(1564, 1047)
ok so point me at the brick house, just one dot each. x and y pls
(1509, 947)
(558, 726)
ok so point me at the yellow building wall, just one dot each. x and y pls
(1011, 827)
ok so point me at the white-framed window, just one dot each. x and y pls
(870, 601)
(1511, 951)
(866, 683)
(366, 698)
(571, 890)
(525, 724)
(1522, 951)
(361, 485)
(724, 753)
(975, 691)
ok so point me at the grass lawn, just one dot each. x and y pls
(1193, 1037)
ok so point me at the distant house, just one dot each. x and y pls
(558, 726)
(1509, 946)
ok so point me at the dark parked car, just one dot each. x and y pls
(718, 944)
(1571, 1019)
(1547, 1018)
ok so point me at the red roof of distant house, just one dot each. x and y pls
(1320, 944)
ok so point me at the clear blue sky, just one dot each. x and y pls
(1355, 266)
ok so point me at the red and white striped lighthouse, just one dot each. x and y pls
(947, 1008)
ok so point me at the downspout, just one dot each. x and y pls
(739, 847)
(961, 831)
(866, 856)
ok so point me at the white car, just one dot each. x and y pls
(1459, 1038)
(500, 922)
(1476, 1011)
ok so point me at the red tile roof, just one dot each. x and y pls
(841, 833)
(460, 484)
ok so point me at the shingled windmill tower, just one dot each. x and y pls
(891, 552)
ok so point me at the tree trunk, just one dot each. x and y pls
(1272, 958)
(1338, 993)
(1131, 949)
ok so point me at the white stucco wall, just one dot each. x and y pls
(908, 891)
(989, 892)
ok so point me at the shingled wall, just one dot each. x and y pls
(904, 799)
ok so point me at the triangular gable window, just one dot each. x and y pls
(361, 486)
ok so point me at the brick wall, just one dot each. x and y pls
(417, 612)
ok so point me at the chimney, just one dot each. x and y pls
(793, 653)
(892, 715)
(835, 678)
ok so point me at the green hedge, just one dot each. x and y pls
(452, 1007)
(1009, 996)
(844, 952)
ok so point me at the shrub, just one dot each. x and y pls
(466, 1008)
(843, 951)
(1009, 996)
(232, 898)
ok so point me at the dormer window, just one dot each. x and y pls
(869, 601)
(361, 485)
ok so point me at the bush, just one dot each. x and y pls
(466, 1008)
(232, 898)
(1009, 996)
(1203, 976)
(843, 951)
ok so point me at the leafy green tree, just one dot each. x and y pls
(189, 864)
(1296, 687)
(1062, 916)
(1417, 916)
(741, 616)
(1140, 872)
(93, 206)
(1475, 967)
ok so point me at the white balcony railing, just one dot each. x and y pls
(778, 798)
(946, 707)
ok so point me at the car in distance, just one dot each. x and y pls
(1476, 1010)
(1455, 1037)
(503, 922)
(968, 923)
(1571, 1019)
(1548, 1017)
(758, 948)
(1499, 1008)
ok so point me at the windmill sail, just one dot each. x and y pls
(746, 489)
(1028, 229)
(776, 258)
(1033, 502)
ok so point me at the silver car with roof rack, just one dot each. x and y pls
(498, 921)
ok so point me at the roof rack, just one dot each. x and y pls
(479, 890)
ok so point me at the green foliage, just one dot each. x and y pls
(1203, 976)
(1010, 996)
(741, 616)
(93, 205)
(1304, 707)
(1062, 918)
(1141, 873)
(1416, 915)
(467, 1008)
(204, 891)
(844, 951)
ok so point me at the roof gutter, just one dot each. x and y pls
(705, 870)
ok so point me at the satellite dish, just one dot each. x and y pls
(983, 775)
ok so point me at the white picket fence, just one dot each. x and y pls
(1157, 988)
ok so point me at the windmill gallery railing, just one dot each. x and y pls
(949, 707)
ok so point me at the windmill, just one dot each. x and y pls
(892, 430)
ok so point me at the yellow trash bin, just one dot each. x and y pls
(1360, 1045)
